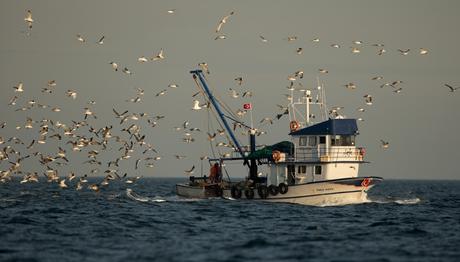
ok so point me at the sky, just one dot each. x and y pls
(420, 123)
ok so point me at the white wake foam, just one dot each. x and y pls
(134, 196)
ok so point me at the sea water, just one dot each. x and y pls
(405, 220)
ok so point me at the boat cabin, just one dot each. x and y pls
(323, 151)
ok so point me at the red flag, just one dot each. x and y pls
(247, 106)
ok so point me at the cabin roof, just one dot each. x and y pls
(329, 127)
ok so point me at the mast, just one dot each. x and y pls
(199, 73)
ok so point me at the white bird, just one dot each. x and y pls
(263, 39)
(80, 38)
(189, 172)
(71, 93)
(29, 20)
(204, 67)
(196, 105)
(171, 11)
(62, 184)
(19, 88)
(101, 40)
(323, 71)
(159, 56)
(335, 45)
(404, 52)
(220, 37)
(368, 99)
(173, 86)
(142, 59)
(423, 51)
(358, 42)
(355, 50)
(114, 66)
(223, 21)
(381, 51)
(127, 71)
(452, 89)
(350, 86)
(384, 144)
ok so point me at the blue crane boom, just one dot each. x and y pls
(199, 74)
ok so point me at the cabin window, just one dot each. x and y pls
(301, 169)
(312, 141)
(342, 140)
(322, 140)
(318, 170)
(303, 141)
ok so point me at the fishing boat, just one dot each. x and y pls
(317, 165)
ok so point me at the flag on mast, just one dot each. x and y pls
(247, 106)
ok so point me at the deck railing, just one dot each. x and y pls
(329, 154)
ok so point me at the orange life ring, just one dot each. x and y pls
(294, 125)
(365, 182)
(276, 155)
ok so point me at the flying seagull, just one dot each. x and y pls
(452, 89)
(223, 21)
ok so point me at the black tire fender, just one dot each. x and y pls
(236, 192)
(283, 188)
(249, 193)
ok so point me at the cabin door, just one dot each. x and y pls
(291, 174)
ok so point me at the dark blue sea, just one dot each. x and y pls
(406, 221)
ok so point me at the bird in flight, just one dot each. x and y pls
(385, 144)
(223, 21)
(29, 19)
(452, 89)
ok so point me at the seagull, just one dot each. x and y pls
(101, 40)
(196, 105)
(323, 71)
(171, 11)
(335, 45)
(368, 99)
(358, 42)
(452, 89)
(29, 19)
(267, 119)
(360, 109)
(159, 56)
(377, 78)
(233, 93)
(62, 184)
(204, 67)
(189, 172)
(161, 93)
(126, 71)
(350, 86)
(114, 66)
(142, 59)
(263, 39)
(316, 40)
(355, 50)
(385, 144)
(19, 88)
(173, 86)
(220, 37)
(423, 51)
(404, 52)
(71, 93)
(179, 157)
(80, 38)
(381, 51)
(239, 80)
(299, 50)
(223, 21)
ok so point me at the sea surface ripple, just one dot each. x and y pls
(406, 220)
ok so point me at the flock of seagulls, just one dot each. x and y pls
(127, 137)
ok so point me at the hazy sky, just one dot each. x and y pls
(421, 123)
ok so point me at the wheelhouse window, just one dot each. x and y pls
(322, 140)
(342, 140)
(302, 169)
(318, 170)
(302, 141)
(312, 141)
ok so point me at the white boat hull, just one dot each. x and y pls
(325, 193)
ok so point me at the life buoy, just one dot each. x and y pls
(273, 190)
(262, 191)
(365, 182)
(294, 125)
(283, 188)
(249, 193)
(236, 192)
(276, 155)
